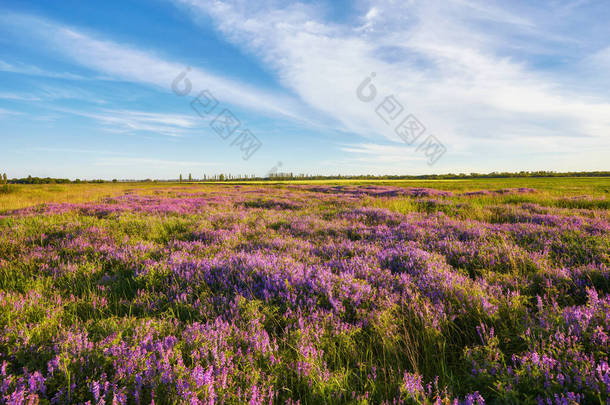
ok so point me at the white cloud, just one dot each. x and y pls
(19, 97)
(128, 121)
(44, 92)
(600, 61)
(75, 151)
(25, 69)
(5, 112)
(445, 61)
(376, 154)
(146, 162)
(131, 64)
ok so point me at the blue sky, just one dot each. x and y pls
(86, 87)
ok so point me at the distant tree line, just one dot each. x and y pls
(448, 176)
(49, 180)
(5, 181)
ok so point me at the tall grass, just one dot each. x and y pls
(557, 191)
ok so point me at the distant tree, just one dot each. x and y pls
(180, 177)
(190, 177)
(114, 180)
(4, 178)
(222, 177)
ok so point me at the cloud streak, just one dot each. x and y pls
(36, 71)
(445, 61)
(147, 162)
(129, 121)
(123, 62)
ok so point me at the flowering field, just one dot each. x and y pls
(307, 294)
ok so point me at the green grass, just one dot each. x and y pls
(394, 338)
(552, 191)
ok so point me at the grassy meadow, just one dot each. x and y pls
(21, 196)
(317, 292)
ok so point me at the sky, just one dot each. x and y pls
(134, 89)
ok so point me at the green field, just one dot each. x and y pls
(314, 292)
(550, 188)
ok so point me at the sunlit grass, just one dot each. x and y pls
(559, 192)
(101, 275)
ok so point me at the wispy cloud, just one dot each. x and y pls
(4, 112)
(31, 70)
(75, 151)
(445, 61)
(150, 163)
(129, 121)
(135, 65)
(378, 154)
(46, 92)
(19, 97)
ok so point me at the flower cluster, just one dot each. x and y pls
(306, 294)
